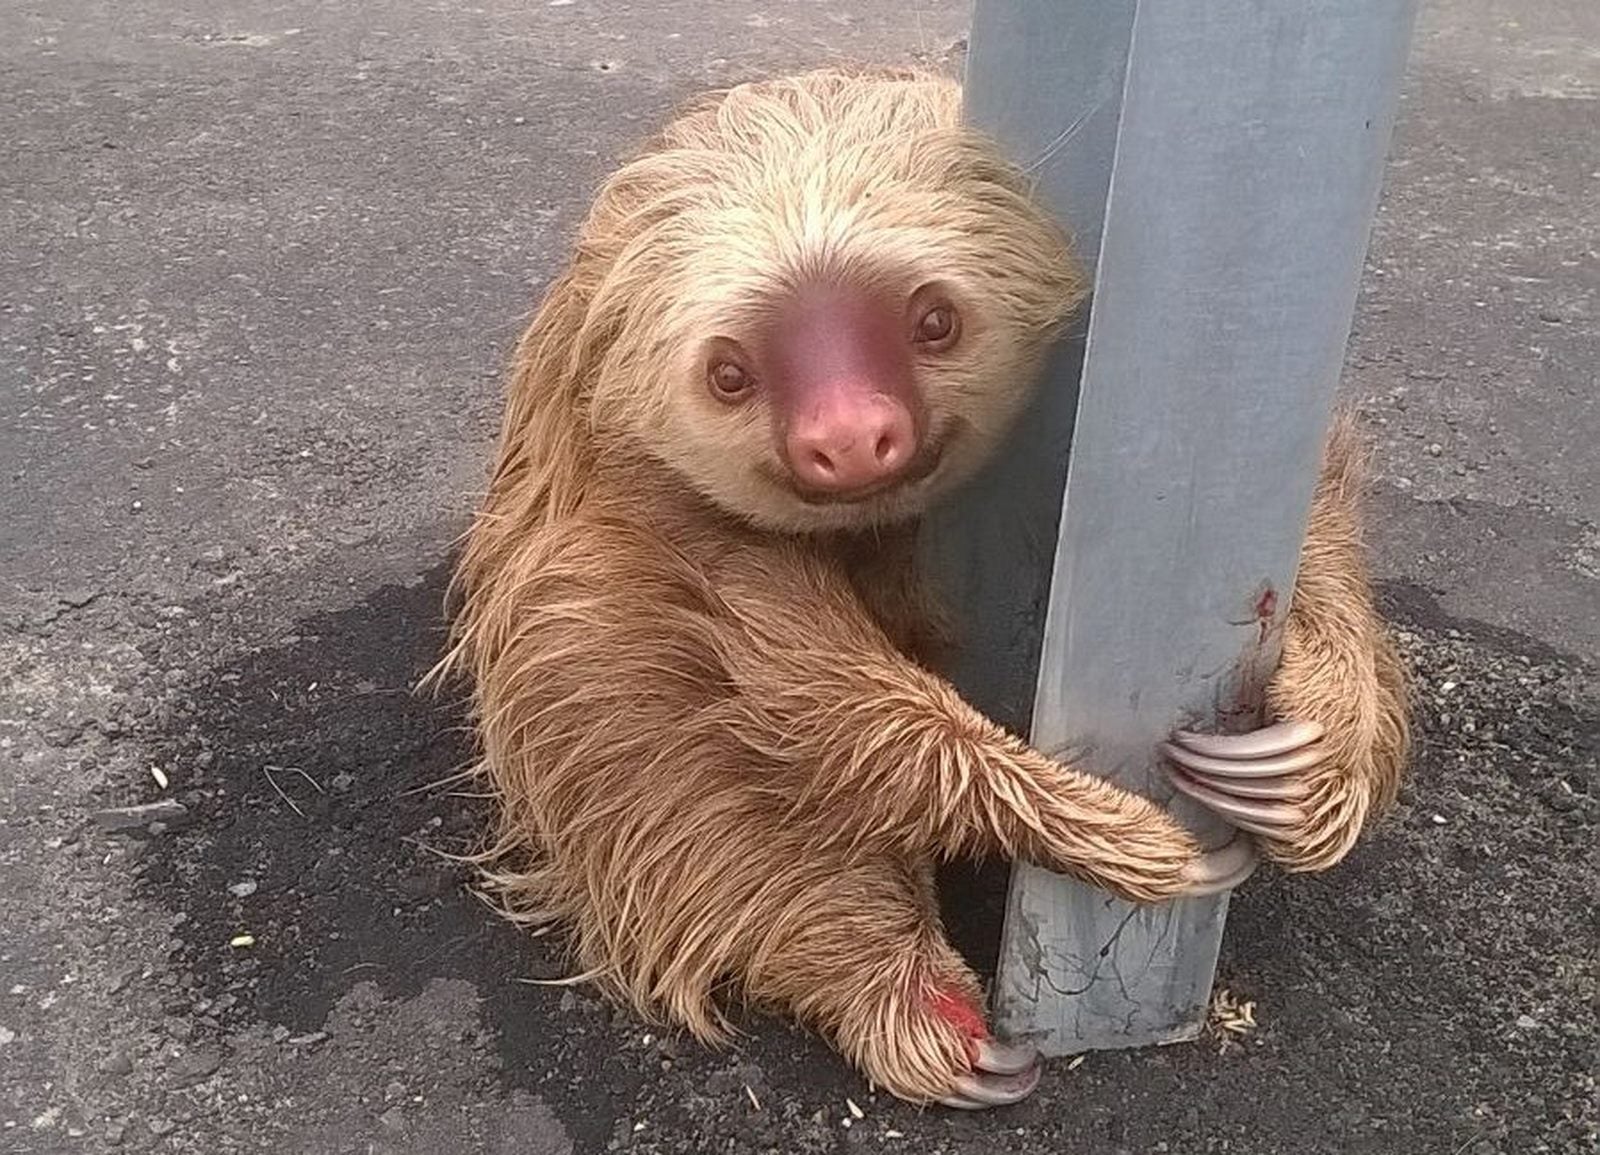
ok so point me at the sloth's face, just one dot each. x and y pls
(837, 404)
(837, 323)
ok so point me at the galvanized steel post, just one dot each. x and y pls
(1219, 165)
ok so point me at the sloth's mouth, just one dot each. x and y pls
(921, 468)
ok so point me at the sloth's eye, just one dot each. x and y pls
(729, 381)
(938, 328)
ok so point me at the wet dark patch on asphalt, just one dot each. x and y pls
(316, 781)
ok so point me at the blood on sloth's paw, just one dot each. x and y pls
(1002, 1073)
(1257, 781)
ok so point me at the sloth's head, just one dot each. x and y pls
(821, 300)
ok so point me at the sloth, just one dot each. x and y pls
(698, 648)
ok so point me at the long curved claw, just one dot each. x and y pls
(1285, 789)
(1266, 818)
(981, 1090)
(999, 1058)
(1221, 869)
(1271, 766)
(1267, 742)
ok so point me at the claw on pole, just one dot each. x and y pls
(1224, 868)
(1254, 781)
(1267, 742)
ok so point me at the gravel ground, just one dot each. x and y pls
(259, 266)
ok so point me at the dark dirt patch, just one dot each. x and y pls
(1437, 991)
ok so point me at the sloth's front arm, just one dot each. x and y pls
(879, 752)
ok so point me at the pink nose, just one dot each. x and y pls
(851, 440)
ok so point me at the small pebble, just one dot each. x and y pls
(1557, 799)
(195, 1066)
(243, 889)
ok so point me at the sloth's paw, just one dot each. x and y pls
(936, 1047)
(1287, 784)
(1257, 781)
(1000, 1074)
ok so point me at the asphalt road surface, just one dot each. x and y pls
(260, 265)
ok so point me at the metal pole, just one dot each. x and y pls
(1219, 165)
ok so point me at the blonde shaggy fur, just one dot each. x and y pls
(717, 756)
